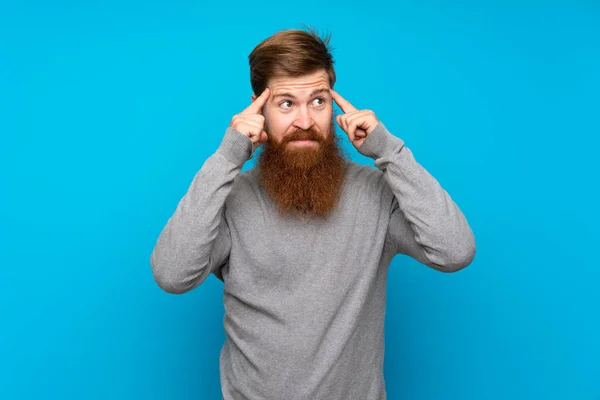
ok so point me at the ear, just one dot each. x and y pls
(253, 97)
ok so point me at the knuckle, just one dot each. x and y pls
(236, 120)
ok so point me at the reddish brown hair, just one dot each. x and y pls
(304, 183)
(290, 53)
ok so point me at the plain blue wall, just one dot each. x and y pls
(108, 109)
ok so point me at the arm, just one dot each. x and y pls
(195, 240)
(425, 223)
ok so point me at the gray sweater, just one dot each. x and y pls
(305, 299)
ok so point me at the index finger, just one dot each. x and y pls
(343, 103)
(258, 103)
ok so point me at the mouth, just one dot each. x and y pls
(303, 142)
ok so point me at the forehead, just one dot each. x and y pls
(299, 84)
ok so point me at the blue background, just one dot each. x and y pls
(108, 109)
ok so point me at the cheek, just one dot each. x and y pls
(278, 125)
(324, 121)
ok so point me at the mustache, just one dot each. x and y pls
(302, 134)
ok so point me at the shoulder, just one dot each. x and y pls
(366, 180)
(363, 174)
(247, 178)
(245, 186)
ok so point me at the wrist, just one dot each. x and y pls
(380, 142)
(236, 147)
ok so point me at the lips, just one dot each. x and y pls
(303, 137)
(301, 142)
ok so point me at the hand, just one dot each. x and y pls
(251, 122)
(357, 124)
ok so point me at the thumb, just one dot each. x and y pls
(262, 139)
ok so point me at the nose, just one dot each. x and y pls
(303, 119)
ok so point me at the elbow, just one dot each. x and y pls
(170, 286)
(166, 279)
(459, 257)
(459, 261)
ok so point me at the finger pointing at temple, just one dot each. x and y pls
(343, 103)
(357, 124)
(251, 122)
(257, 105)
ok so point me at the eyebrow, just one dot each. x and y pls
(313, 93)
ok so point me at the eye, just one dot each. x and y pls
(285, 104)
(319, 102)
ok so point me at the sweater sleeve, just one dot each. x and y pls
(425, 223)
(195, 240)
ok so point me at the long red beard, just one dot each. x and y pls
(303, 181)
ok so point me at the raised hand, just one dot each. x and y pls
(356, 123)
(251, 122)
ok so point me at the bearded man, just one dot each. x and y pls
(303, 241)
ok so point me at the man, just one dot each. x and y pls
(303, 241)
